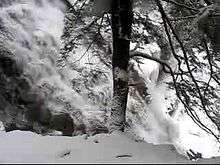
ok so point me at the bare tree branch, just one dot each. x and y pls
(184, 18)
(201, 97)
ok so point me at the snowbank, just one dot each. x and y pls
(27, 147)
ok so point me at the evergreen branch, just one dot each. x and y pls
(182, 5)
(90, 45)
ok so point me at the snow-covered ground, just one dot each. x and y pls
(27, 147)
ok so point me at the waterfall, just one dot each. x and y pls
(31, 31)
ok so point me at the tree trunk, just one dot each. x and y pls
(122, 17)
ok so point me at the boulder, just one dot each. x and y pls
(62, 122)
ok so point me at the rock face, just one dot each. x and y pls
(13, 87)
(22, 105)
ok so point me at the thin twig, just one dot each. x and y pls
(90, 45)
(184, 18)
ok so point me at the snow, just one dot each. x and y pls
(148, 69)
(158, 127)
(27, 147)
(120, 74)
(191, 136)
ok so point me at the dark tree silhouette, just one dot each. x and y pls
(122, 17)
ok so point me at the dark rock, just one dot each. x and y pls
(21, 105)
(193, 156)
(45, 116)
(64, 153)
(80, 130)
(15, 126)
(96, 141)
(86, 137)
(62, 122)
(8, 65)
(96, 127)
(124, 156)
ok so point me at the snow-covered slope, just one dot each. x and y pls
(27, 147)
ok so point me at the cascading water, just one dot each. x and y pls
(31, 29)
